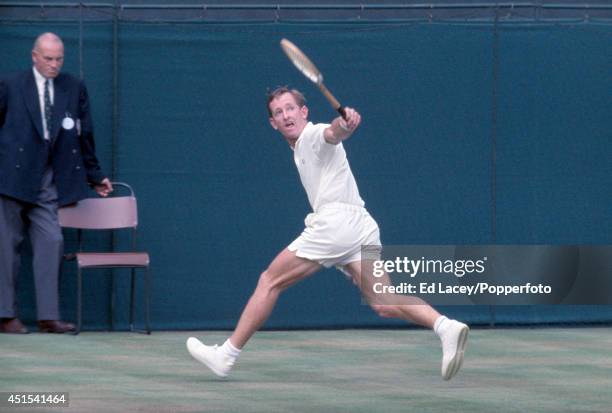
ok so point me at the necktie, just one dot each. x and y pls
(48, 108)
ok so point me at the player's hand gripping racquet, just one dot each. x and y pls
(304, 65)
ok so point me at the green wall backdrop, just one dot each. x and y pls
(472, 134)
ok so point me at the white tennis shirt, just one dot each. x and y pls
(324, 170)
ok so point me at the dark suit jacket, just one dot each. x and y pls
(24, 153)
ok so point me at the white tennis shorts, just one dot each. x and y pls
(335, 233)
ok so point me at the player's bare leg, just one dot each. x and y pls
(284, 271)
(452, 333)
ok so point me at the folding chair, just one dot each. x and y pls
(112, 213)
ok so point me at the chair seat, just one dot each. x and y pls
(115, 259)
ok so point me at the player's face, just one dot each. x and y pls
(287, 117)
(48, 58)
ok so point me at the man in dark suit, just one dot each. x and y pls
(47, 158)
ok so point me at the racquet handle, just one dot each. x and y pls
(332, 100)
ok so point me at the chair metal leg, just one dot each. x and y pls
(79, 300)
(147, 293)
(132, 298)
(146, 297)
(111, 303)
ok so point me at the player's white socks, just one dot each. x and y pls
(438, 323)
(229, 349)
(219, 359)
(453, 335)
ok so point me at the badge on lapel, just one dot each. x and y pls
(68, 122)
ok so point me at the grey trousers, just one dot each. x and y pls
(41, 222)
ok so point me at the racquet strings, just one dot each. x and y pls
(301, 61)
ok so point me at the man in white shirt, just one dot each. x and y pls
(335, 232)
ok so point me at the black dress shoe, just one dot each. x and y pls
(12, 326)
(55, 326)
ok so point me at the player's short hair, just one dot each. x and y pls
(281, 90)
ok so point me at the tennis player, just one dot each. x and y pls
(335, 231)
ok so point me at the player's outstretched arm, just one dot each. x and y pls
(341, 129)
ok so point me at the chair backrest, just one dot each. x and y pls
(101, 213)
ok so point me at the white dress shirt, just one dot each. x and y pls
(40, 85)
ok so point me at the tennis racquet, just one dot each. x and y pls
(308, 69)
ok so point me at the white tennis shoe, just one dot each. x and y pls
(454, 341)
(211, 356)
